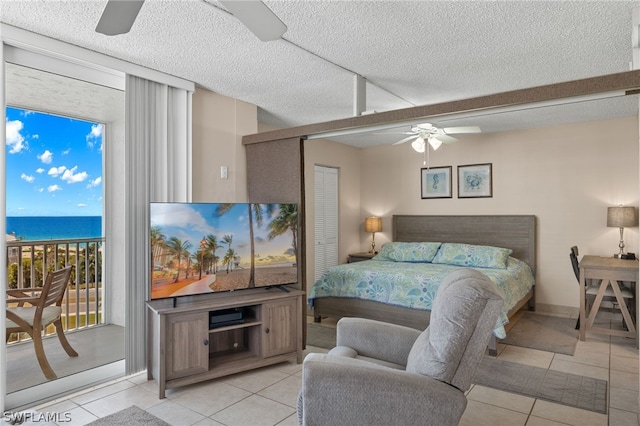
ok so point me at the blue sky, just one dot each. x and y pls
(54, 165)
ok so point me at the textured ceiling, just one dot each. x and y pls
(411, 53)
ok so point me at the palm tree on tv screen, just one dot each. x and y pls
(212, 246)
(228, 239)
(286, 220)
(157, 243)
(177, 247)
(228, 258)
(258, 211)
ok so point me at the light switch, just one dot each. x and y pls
(224, 172)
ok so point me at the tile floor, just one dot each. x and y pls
(268, 396)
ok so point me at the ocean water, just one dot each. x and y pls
(36, 228)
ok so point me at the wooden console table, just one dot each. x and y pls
(191, 343)
(610, 271)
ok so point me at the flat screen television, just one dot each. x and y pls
(199, 248)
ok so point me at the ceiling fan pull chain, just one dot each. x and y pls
(425, 161)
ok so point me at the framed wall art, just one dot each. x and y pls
(475, 181)
(436, 182)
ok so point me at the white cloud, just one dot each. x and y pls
(95, 182)
(56, 171)
(27, 177)
(96, 130)
(180, 215)
(66, 151)
(81, 205)
(54, 188)
(46, 157)
(39, 170)
(95, 135)
(70, 175)
(14, 139)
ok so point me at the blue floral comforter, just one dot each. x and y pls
(414, 285)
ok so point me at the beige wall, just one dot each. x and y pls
(565, 175)
(347, 160)
(219, 123)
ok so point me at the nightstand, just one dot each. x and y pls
(359, 257)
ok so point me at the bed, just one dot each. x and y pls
(513, 232)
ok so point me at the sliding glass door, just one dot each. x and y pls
(87, 84)
(45, 99)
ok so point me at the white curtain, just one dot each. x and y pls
(158, 168)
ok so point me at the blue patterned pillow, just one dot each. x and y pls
(408, 252)
(472, 255)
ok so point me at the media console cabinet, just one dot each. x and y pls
(226, 334)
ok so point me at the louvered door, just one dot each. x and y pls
(326, 219)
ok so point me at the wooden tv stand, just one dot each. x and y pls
(183, 348)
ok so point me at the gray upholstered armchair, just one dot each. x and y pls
(385, 374)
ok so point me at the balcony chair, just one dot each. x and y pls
(592, 289)
(44, 310)
(384, 374)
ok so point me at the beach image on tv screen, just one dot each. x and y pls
(209, 247)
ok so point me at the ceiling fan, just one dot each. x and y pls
(119, 15)
(424, 133)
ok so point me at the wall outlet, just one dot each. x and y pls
(224, 172)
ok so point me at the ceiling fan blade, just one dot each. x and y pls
(467, 129)
(393, 132)
(445, 138)
(257, 17)
(118, 16)
(405, 140)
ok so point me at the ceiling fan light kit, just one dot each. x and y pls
(435, 136)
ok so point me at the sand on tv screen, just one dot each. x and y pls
(201, 248)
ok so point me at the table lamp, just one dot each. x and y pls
(621, 217)
(373, 224)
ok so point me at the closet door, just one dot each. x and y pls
(326, 219)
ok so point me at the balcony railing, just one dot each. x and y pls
(29, 261)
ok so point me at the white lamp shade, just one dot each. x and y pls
(373, 224)
(418, 145)
(622, 217)
(435, 143)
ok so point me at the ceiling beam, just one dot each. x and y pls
(624, 83)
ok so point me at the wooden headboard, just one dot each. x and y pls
(517, 232)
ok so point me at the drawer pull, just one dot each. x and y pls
(206, 342)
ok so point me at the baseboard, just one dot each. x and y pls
(559, 310)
